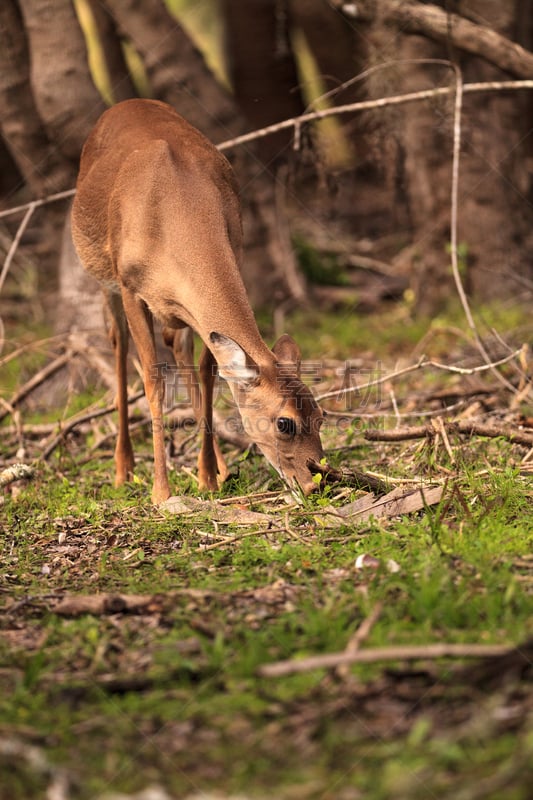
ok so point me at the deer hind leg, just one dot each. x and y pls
(141, 326)
(119, 335)
(181, 341)
(210, 461)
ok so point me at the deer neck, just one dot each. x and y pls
(217, 302)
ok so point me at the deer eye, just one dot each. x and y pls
(286, 425)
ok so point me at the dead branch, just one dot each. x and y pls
(362, 633)
(442, 26)
(15, 243)
(396, 503)
(16, 472)
(453, 227)
(69, 425)
(39, 378)
(372, 655)
(464, 427)
(98, 604)
(51, 198)
(294, 122)
(368, 105)
(422, 363)
(453, 29)
(349, 477)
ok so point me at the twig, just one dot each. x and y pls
(464, 427)
(352, 477)
(51, 198)
(78, 420)
(295, 122)
(36, 381)
(423, 363)
(440, 428)
(362, 633)
(249, 498)
(366, 105)
(453, 227)
(375, 654)
(33, 345)
(237, 538)
(15, 243)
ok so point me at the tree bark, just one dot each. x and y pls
(41, 164)
(65, 95)
(177, 71)
(10, 175)
(262, 69)
(476, 38)
(495, 220)
(342, 50)
(122, 87)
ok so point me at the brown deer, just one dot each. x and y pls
(156, 219)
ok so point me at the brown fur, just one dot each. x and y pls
(156, 220)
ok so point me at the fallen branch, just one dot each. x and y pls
(39, 378)
(362, 633)
(375, 654)
(464, 427)
(16, 472)
(349, 477)
(227, 514)
(422, 363)
(397, 503)
(69, 425)
(99, 604)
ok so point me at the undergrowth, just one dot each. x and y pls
(171, 695)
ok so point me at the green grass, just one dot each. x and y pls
(172, 696)
(205, 718)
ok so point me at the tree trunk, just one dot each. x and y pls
(41, 164)
(10, 176)
(342, 49)
(121, 84)
(177, 71)
(65, 94)
(495, 220)
(262, 69)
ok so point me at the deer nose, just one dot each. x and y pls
(306, 483)
(309, 487)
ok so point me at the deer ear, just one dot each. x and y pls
(233, 363)
(288, 353)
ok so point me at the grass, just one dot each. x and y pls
(171, 696)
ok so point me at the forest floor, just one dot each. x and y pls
(136, 641)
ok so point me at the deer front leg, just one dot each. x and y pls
(210, 461)
(141, 326)
(119, 334)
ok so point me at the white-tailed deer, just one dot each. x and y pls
(156, 219)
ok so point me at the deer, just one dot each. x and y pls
(156, 219)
